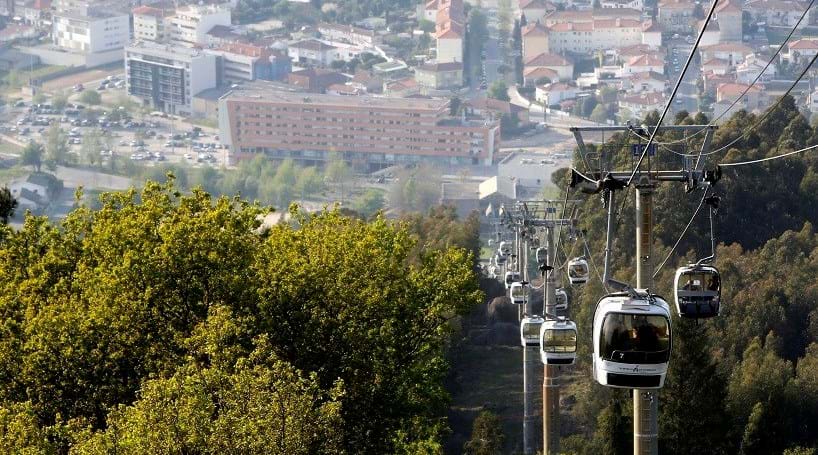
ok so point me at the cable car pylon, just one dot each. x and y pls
(547, 337)
(648, 340)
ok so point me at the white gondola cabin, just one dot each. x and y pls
(631, 341)
(505, 249)
(698, 291)
(561, 299)
(510, 278)
(542, 255)
(578, 271)
(530, 331)
(499, 259)
(558, 342)
(518, 293)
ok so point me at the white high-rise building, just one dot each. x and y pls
(191, 23)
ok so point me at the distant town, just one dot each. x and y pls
(396, 106)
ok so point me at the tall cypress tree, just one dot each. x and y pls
(693, 416)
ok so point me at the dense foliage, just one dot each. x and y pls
(744, 382)
(162, 323)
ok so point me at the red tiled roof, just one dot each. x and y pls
(148, 11)
(733, 89)
(548, 59)
(535, 29)
(645, 60)
(804, 44)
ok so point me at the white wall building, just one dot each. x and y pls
(100, 36)
(148, 23)
(167, 77)
(589, 37)
(191, 23)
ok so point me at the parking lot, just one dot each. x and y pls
(148, 139)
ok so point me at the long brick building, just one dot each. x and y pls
(381, 132)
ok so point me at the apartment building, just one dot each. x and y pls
(378, 131)
(99, 35)
(677, 16)
(535, 40)
(167, 77)
(450, 28)
(598, 35)
(246, 62)
(190, 24)
(148, 23)
(729, 16)
(440, 75)
(535, 10)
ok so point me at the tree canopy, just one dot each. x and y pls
(162, 320)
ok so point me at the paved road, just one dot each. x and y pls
(687, 97)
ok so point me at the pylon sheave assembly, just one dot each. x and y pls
(698, 291)
(632, 341)
(558, 342)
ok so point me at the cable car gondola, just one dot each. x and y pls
(542, 255)
(631, 341)
(558, 342)
(530, 331)
(499, 259)
(511, 277)
(505, 248)
(578, 271)
(698, 291)
(561, 301)
(518, 293)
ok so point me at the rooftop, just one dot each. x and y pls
(645, 99)
(312, 45)
(734, 89)
(803, 44)
(436, 67)
(548, 59)
(148, 11)
(591, 15)
(301, 99)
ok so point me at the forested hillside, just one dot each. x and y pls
(162, 323)
(746, 381)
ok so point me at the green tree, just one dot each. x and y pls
(91, 97)
(368, 203)
(20, 432)
(32, 155)
(338, 173)
(7, 204)
(59, 100)
(613, 430)
(499, 91)
(692, 408)
(599, 114)
(38, 98)
(56, 147)
(487, 436)
(259, 405)
(91, 147)
(309, 182)
(127, 326)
